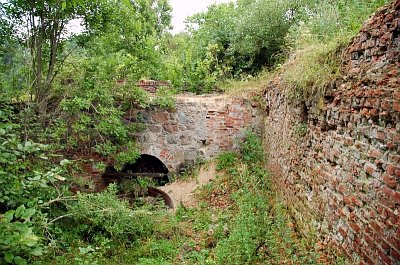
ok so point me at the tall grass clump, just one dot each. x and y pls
(311, 69)
(317, 40)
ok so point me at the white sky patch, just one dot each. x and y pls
(184, 8)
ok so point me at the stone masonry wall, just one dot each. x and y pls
(199, 128)
(341, 173)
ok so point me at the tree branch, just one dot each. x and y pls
(71, 214)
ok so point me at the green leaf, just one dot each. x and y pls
(9, 257)
(30, 240)
(9, 215)
(64, 5)
(37, 252)
(127, 2)
(20, 210)
(59, 177)
(28, 213)
(20, 261)
(65, 162)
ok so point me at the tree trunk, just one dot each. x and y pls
(41, 97)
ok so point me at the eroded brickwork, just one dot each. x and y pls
(200, 127)
(343, 176)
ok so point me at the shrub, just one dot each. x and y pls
(104, 215)
(18, 243)
(28, 180)
(316, 43)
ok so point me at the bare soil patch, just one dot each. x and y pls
(183, 191)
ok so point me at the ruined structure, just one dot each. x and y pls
(199, 128)
(335, 161)
(341, 172)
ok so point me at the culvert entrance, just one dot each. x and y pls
(140, 179)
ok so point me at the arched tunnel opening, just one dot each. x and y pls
(148, 165)
(146, 169)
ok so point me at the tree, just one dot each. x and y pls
(41, 26)
(261, 30)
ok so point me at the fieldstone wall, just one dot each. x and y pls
(337, 162)
(200, 127)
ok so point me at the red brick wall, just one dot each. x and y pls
(342, 177)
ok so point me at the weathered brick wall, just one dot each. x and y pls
(200, 127)
(342, 177)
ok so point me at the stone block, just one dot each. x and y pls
(190, 154)
(161, 117)
(169, 127)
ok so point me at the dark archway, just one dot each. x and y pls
(146, 164)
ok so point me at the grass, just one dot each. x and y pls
(309, 71)
(239, 220)
(251, 84)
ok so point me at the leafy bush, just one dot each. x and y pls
(164, 98)
(105, 215)
(18, 243)
(102, 227)
(28, 181)
(324, 21)
(260, 32)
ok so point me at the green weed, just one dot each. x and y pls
(309, 71)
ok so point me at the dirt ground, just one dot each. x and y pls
(183, 191)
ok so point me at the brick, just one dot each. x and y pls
(394, 159)
(369, 168)
(342, 231)
(392, 197)
(356, 228)
(396, 106)
(347, 200)
(377, 227)
(366, 257)
(385, 245)
(369, 240)
(395, 242)
(161, 117)
(384, 256)
(386, 37)
(396, 197)
(390, 181)
(356, 201)
(395, 254)
(375, 153)
(393, 171)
